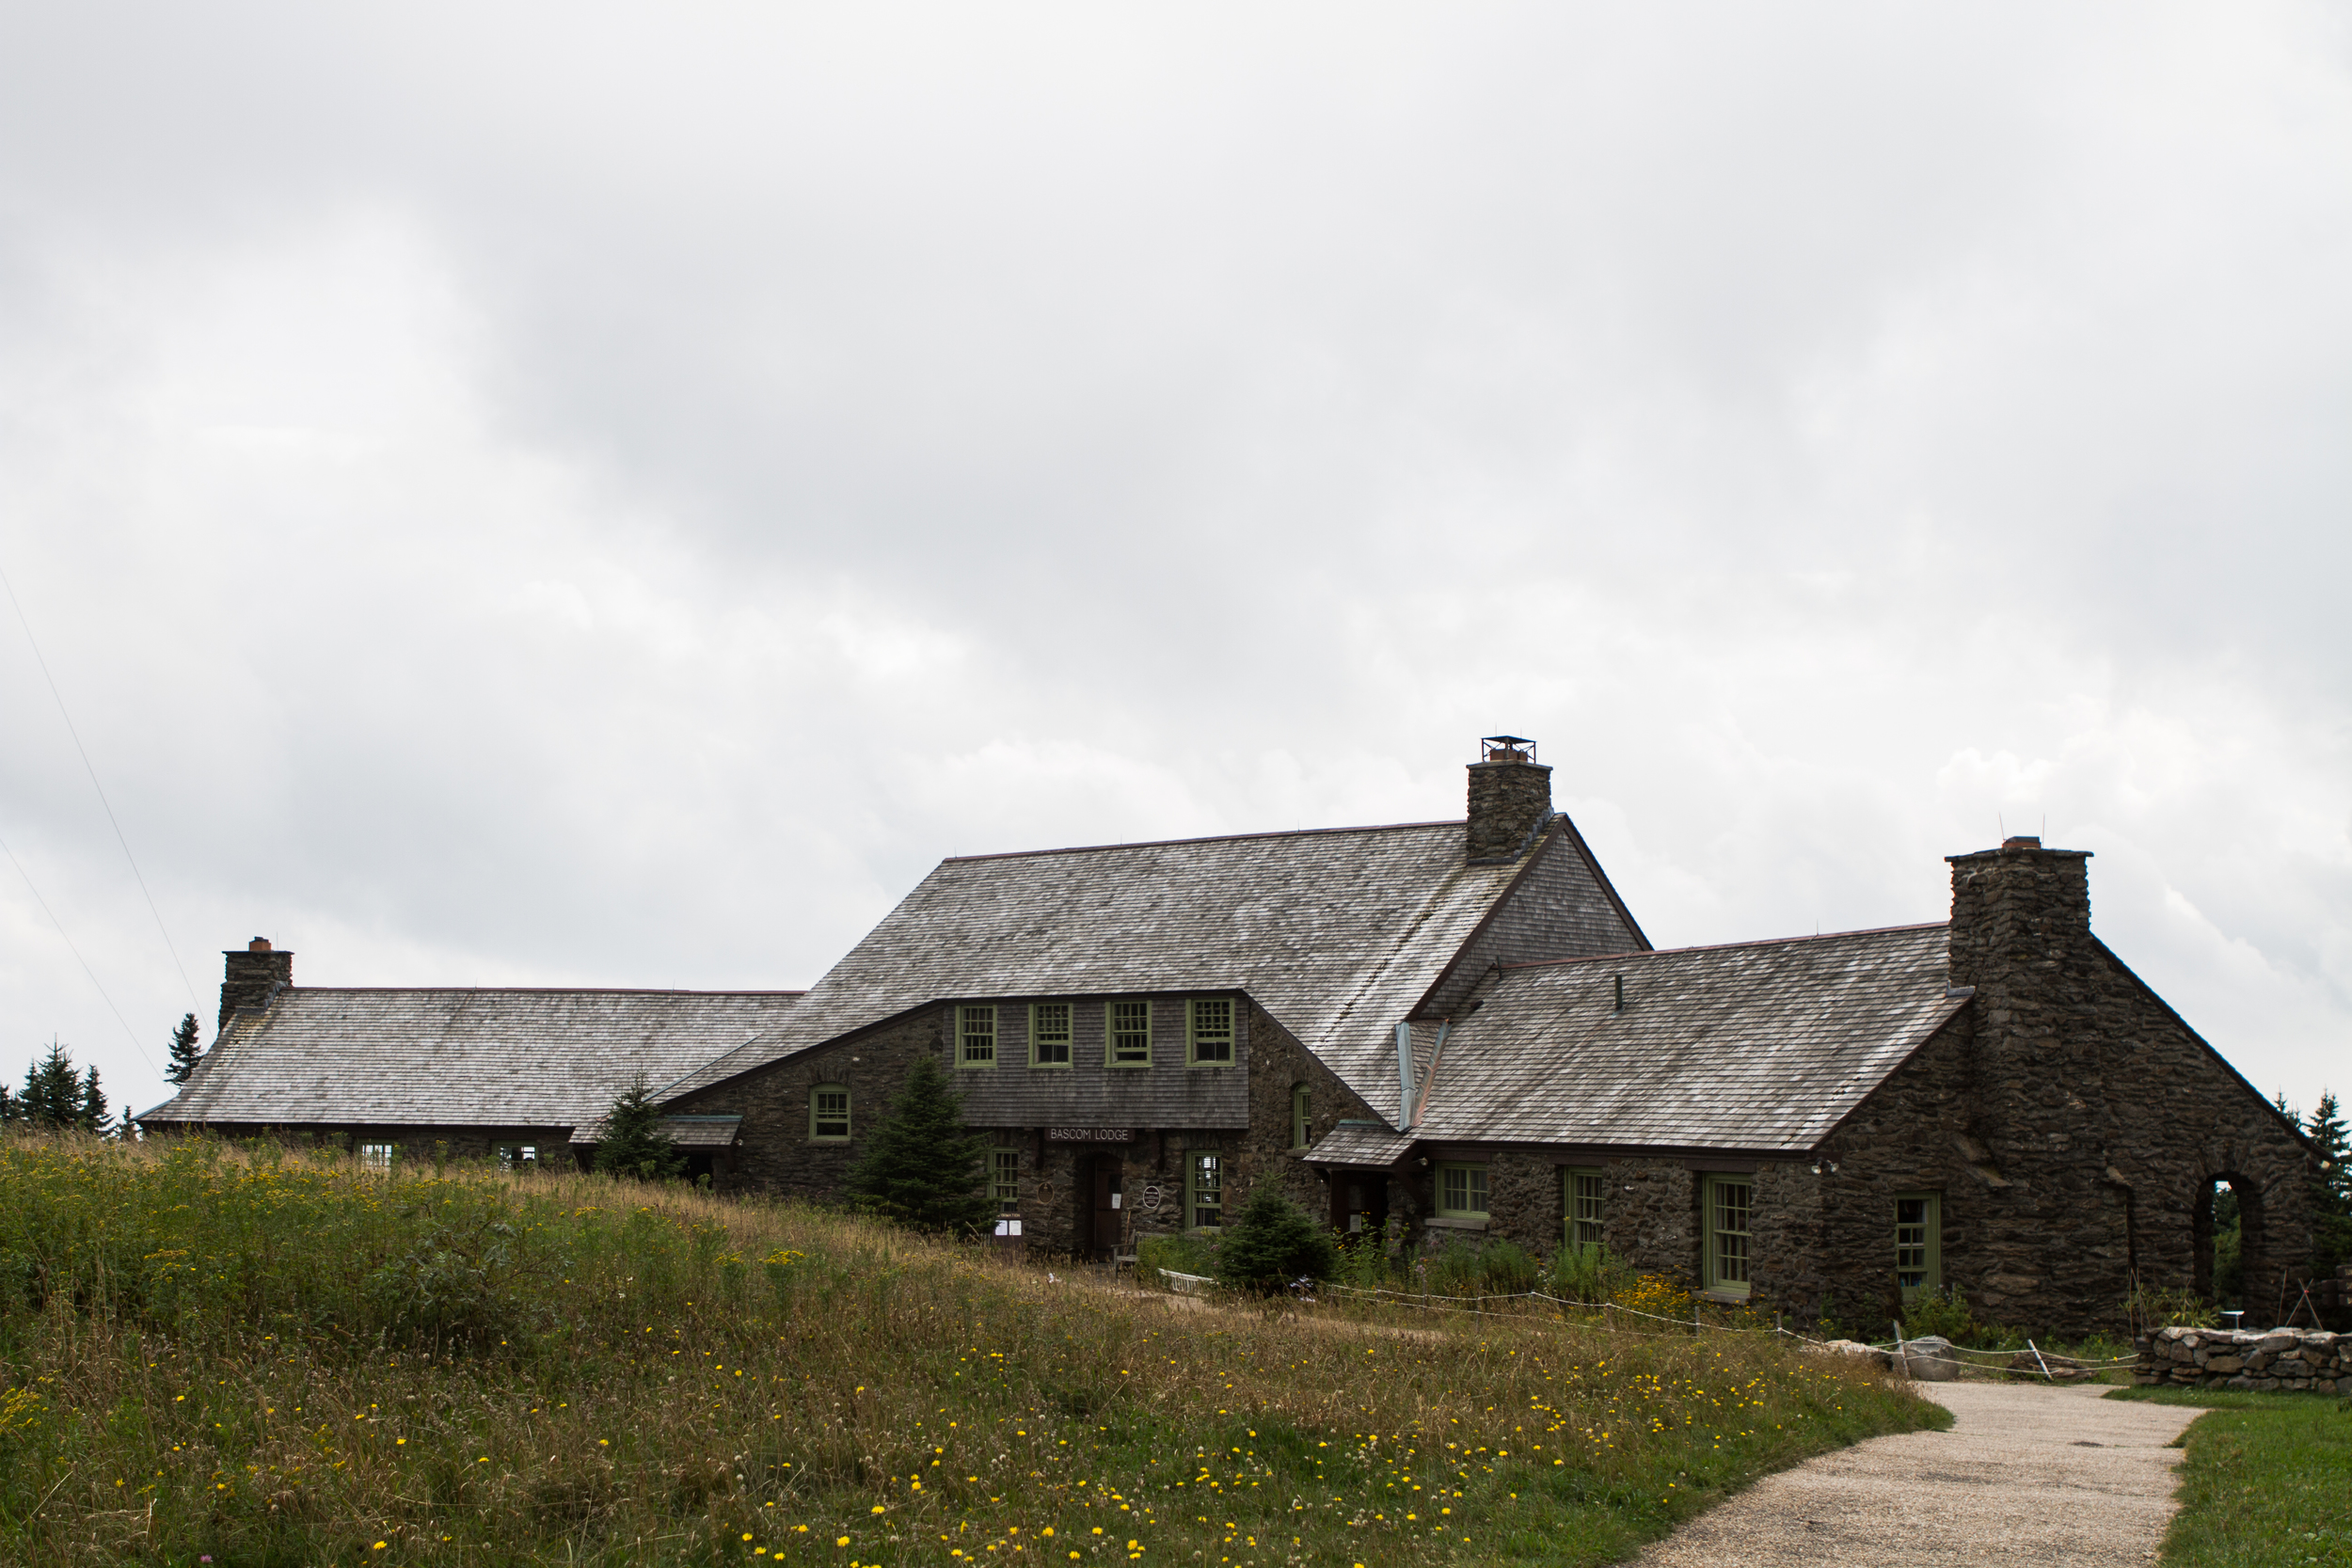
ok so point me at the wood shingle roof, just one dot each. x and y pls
(1337, 932)
(1756, 1046)
(455, 1056)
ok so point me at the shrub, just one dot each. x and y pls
(1272, 1243)
(1589, 1272)
(2146, 1308)
(633, 1143)
(1943, 1314)
(1496, 1268)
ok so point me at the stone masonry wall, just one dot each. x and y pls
(2283, 1359)
(2107, 1117)
(776, 1153)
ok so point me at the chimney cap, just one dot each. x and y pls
(259, 944)
(2022, 842)
(1506, 748)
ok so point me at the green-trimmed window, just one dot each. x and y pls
(1918, 1243)
(1204, 1184)
(1729, 1207)
(519, 1156)
(1209, 1031)
(375, 1156)
(1584, 1199)
(1049, 1034)
(829, 1113)
(975, 1034)
(1462, 1192)
(1131, 1034)
(1004, 1178)
(1299, 1121)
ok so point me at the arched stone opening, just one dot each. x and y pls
(2228, 1240)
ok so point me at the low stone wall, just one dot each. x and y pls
(2284, 1358)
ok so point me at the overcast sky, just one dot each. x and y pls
(610, 495)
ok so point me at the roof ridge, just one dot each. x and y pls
(1726, 946)
(531, 990)
(1206, 838)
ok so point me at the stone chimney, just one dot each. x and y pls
(252, 977)
(1510, 797)
(2018, 912)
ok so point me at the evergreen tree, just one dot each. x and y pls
(183, 1051)
(633, 1143)
(53, 1090)
(1271, 1244)
(2333, 1192)
(91, 1116)
(922, 1165)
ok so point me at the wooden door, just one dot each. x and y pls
(1110, 1219)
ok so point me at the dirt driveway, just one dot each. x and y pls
(2027, 1475)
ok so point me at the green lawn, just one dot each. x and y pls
(2267, 1482)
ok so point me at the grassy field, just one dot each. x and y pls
(2268, 1479)
(265, 1359)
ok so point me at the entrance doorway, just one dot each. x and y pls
(1360, 1200)
(1102, 1209)
(2226, 1228)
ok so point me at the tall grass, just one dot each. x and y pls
(267, 1359)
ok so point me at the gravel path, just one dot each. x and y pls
(2027, 1475)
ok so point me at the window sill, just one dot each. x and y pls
(1049, 1067)
(1457, 1222)
(1127, 1067)
(1724, 1298)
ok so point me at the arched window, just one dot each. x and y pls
(829, 1113)
(1299, 1124)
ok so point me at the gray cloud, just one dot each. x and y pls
(592, 495)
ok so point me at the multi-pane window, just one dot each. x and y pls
(376, 1156)
(1918, 1243)
(977, 1035)
(1131, 1034)
(1004, 1178)
(519, 1156)
(1585, 1199)
(1049, 1034)
(1462, 1191)
(1298, 1116)
(829, 1112)
(1729, 1205)
(1205, 1177)
(1209, 1031)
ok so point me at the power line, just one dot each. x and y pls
(77, 956)
(87, 767)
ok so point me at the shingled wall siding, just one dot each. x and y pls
(2106, 1114)
(1087, 1093)
(1557, 910)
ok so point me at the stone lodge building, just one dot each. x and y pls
(1455, 1029)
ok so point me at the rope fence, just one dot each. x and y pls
(1609, 1311)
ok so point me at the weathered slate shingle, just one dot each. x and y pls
(1759, 1046)
(460, 1057)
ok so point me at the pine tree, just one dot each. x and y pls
(183, 1051)
(53, 1090)
(91, 1116)
(922, 1165)
(633, 1143)
(2333, 1192)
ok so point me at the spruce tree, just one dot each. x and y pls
(53, 1090)
(183, 1051)
(91, 1116)
(2333, 1192)
(1271, 1244)
(921, 1166)
(633, 1143)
